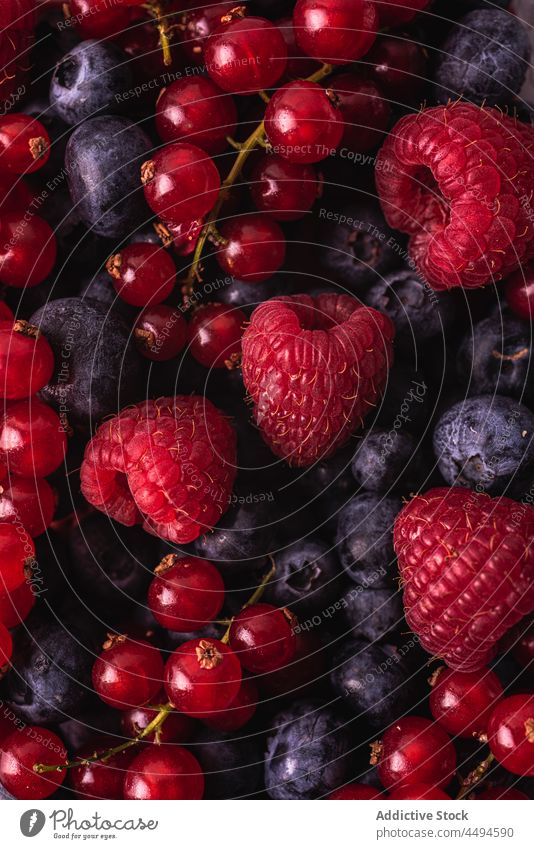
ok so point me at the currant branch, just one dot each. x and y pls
(475, 777)
(163, 27)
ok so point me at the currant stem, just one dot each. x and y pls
(256, 595)
(162, 25)
(474, 777)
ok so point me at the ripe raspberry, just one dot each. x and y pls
(467, 565)
(458, 179)
(168, 464)
(314, 367)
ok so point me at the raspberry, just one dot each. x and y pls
(467, 565)
(458, 179)
(314, 367)
(168, 464)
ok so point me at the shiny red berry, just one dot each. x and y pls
(200, 22)
(164, 772)
(299, 66)
(511, 733)
(392, 13)
(418, 791)
(6, 313)
(16, 551)
(283, 190)
(6, 646)
(181, 182)
(20, 752)
(215, 332)
(186, 593)
(240, 712)
(128, 673)
(26, 360)
(177, 727)
(519, 292)
(197, 111)
(365, 111)
(14, 197)
(354, 791)
(302, 123)
(263, 637)
(32, 440)
(335, 31)
(142, 274)
(29, 502)
(101, 779)
(414, 750)
(97, 18)
(253, 249)
(245, 55)
(462, 702)
(160, 332)
(202, 677)
(399, 65)
(27, 250)
(16, 605)
(24, 144)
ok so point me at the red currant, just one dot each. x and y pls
(355, 791)
(6, 645)
(414, 751)
(177, 727)
(254, 247)
(164, 772)
(509, 793)
(128, 673)
(26, 360)
(215, 332)
(302, 123)
(184, 236)
(160, 332)
(245, 55)
(16, 550)
(28, 250)
(462, 701)
(198, 23)
(97, 18)
(239, 712)
(263, 637)
(142, 274)
(519, 292)
(32, 440)
(299, 677)
(335, 31)
(186, 593)
(366, 113)
(27, 501)
(181, 182)
(299, 66)
(16, 605)
(196, 110)
(6, 313)
(101, 779)
(20, 751)
(202, 677)
(284, 190)
(394, 12)
(399, 66)
(511, 733)
(24, 143)
(16, 198)
(418, 791)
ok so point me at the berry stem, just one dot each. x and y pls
(256, 595)
(155, 9)
(473, 779)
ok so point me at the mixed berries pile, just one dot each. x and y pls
(267, 433)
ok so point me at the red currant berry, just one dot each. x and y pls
(202, 676)
(197, 111)
(215, 332)
(392, 13)
(181, 182)
(24, 143)
(6, 727)
(366, 113)
(523, 648)
(160, 332)
(519, 292)
(302, 123)
(414, 751)
(462, 702)
(97, 18)
(142, 274)
(27, 501)
(16, 605)
(28, 250)
(101, 779)
(20, 751)
(177, 727)
(32, 440)
(511, 733)
(418, 791)
(335, 31)
(15, 198)
(200, 22)
(399, 66)
(299, 66)
(186, 593)
(128, 673)
(245, 55)
(254, 247)
(16, 550)
(6, 646)
(263, 637)
(509, 793)
(6, 313)
(299, 678)
(26, 360)
(239, 712)
(183, 236)
(284, 190)
(355, 791)
(164, 772)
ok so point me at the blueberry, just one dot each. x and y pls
(485, 442)
(232, 764)
(87, 81)
(484, 58)
(496, 356)
(97, 288)
(242, 538)
(97, 367)
(96, 718)
(364, 539)
(246, 296)
(102, 160)
(307, 577)
(372, 614)
(308, 753)
(330, 484)
(386, 460)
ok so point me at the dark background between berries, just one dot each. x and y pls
(457, 407)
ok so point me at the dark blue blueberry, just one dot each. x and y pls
(232, 763)
(372, 614)
(484, 58)
(247, 296)
(89, 80)
(102, 160)
(386, 460)
(309, 752)
(145, 234)
(99, 288)
(330, 484)
(485, 442)
(364, 539)
(307, 577)
(244, 536)
(406, 398)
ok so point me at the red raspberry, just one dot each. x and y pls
(458, 179)
(467, 565)
(169, 464)
(314, 368)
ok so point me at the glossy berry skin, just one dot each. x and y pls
(181, 182)
(202, 676)
(6, 313)
(198, 23)
(263, 638)
(519, 292)
(6, 646)
(16, 548)
(101, 779)
(399, 66)
(30, 501)
(392, 13)
(32, 440)
(283, 190)
(301, 122)
(246, 55)
(511, 733)
(335, 31)
(20, 751)
(462, 702)
(16, 605)
(142, 274)
(177, 727)
(26, 360)
(415, 750)
(364, 109)
(195, 110)
(186, 593)
(418, 791)
(215, 332)
(354, 791)
(299, 66)
(160, 332)
(164, 772)
(254, 247)
(27, 250)
(239, 712)
(128, 673)
(97, 18)
(24, 144)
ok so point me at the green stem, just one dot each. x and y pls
(162, 25)
(475, 777)
(256, 595)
